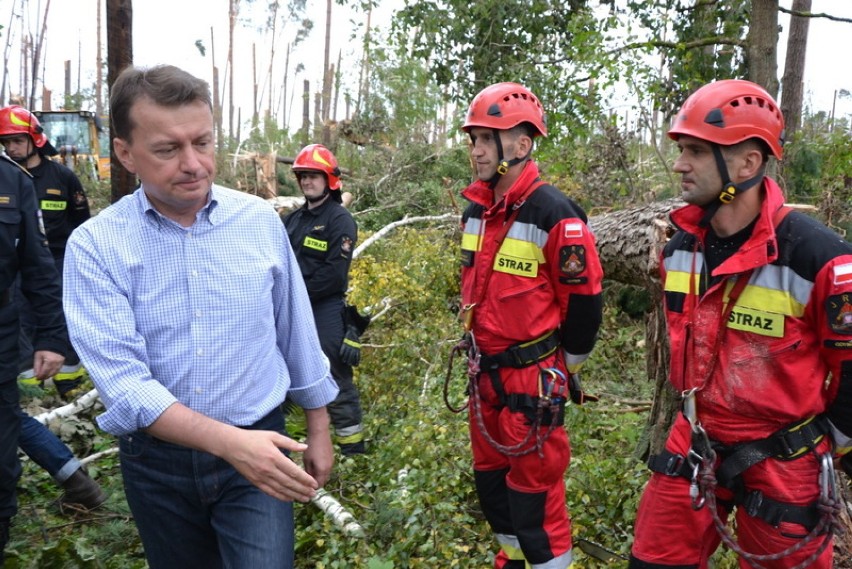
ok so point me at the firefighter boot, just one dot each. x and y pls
(81, 492)
(69, 381)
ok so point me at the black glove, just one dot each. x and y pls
(350, 349)
(356, 323)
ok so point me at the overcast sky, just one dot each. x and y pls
(165, 31)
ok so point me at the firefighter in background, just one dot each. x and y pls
(323, 234)
(23, 254)
(64, 207)
(758, 301)
(531, 302)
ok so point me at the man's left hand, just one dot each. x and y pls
(47, 364)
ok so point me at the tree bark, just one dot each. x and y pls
(119, 56)
(794, 68)
(629, 244)
(762, 45)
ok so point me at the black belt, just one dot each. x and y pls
(5, 297)
(523, 354)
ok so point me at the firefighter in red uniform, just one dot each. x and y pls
(759, 307)
(531, 302)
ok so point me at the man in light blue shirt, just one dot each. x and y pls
(187, 306)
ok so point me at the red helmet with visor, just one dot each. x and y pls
(16, 120)
(318, 158)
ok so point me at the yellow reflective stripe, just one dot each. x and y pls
(470, 242)
(769, 300)
(522, 250)
(48, 205)
(316, 244)
(678, 281)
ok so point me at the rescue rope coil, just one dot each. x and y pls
(474, 403)
(827, 504)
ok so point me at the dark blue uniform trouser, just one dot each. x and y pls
(10, 422)
(345, 410)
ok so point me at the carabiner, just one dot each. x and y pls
(827, 480)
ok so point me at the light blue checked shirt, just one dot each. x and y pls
(214, 316)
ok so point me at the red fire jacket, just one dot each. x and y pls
(546, 274)
(785, 352)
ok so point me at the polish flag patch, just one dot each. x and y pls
(573, 230)
(843, 274)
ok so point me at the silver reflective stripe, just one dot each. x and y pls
(349, 431)
(562, 562)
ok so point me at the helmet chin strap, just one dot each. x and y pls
(320, 197)
(729, 189)
(503, 165)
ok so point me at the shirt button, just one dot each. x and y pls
(199, 352)
(198, 390)
(198, 314)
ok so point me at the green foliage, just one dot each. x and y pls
(817, 163)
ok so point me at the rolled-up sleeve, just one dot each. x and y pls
(102, 327)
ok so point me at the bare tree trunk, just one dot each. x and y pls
(306, 112)
(364, 74)
(233, 10)
(285, 110)
(6, 49)
(270, 105)
(99, 68)
(794, 68)
(254, 111)
(217, 99)
(37, 56)
(67, 94)
(119, 55)
(763, 44)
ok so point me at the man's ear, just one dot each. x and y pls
(523, 146)
(122, 152)
(752, 163)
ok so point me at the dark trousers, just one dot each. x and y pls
(345, 410)
(10, 422)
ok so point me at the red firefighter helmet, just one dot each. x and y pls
(15, 119)
(731, 111)
(317, 157)
(503, 106)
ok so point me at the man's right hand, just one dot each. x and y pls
(257, 456)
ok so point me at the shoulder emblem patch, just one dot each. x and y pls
(572, 259)
(839, 313)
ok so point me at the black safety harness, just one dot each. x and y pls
(789, 443)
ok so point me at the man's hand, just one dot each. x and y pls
(255, 454)
(319, 456)
(47, 364)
